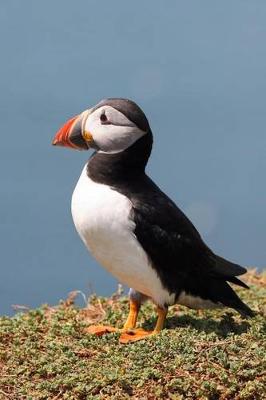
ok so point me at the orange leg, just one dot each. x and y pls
(139, 334)
(131, 321)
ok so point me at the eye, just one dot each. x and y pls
(104, 119)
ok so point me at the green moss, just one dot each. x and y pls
(45, 354)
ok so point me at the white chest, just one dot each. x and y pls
(102, 218)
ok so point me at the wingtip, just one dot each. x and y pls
(246, 312)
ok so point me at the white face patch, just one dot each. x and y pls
(111, 130)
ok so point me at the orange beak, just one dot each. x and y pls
(72, 134)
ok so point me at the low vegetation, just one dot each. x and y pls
(46, 353)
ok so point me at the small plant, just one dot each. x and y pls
(46, 354)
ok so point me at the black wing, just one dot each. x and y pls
(177, 252)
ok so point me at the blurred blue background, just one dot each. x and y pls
(198, 69)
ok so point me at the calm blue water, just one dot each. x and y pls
(198, 71)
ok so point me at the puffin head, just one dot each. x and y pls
(112, 126)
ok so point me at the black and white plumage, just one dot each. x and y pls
(130, 226)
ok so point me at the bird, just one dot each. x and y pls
(133, 229)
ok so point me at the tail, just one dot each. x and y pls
(235, 302)
(227, 271)
(245, 311)
(221, 292)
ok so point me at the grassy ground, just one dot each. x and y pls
(45, 354)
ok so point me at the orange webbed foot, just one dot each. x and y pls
(100, 330)
(134, 335)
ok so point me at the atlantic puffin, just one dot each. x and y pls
(133, 229)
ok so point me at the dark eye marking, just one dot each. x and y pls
(104, 119)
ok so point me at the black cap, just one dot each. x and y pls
(130, 109)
